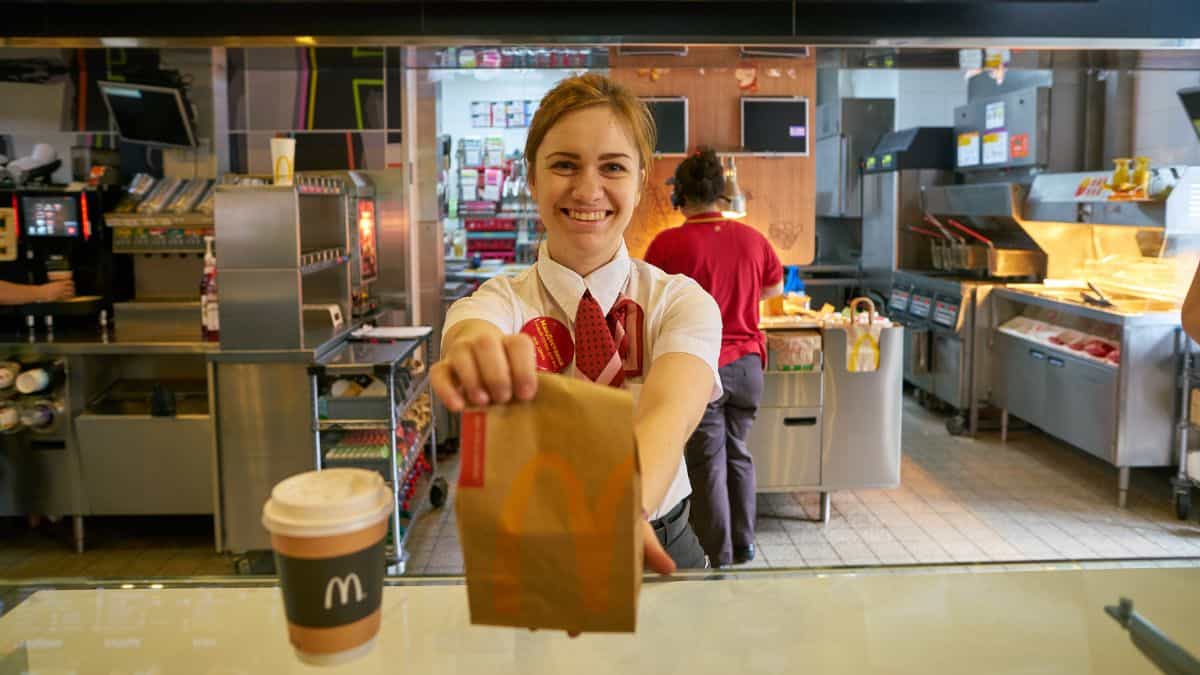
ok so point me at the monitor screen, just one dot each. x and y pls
(50, 216)
(148, 114)
(775, 125)
(670, 119)
(1191, 104)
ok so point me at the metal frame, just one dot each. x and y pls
(687, 132)
(808, 113)
(850, 41)
(394, 466)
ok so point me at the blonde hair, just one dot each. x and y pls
(586, 91)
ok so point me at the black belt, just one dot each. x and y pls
(670, 516)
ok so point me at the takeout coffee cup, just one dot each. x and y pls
(59, 275)
(283, 160)
(328, 530)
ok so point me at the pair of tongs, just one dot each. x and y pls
(1096, 297)
(950, 236)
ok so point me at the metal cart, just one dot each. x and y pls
(341, 427)
(1189, 378)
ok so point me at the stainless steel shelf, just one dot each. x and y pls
(322, 265)
(378, 423)
(151, 251)
(202, 220)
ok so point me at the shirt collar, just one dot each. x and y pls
(566, 286)
(707, 217)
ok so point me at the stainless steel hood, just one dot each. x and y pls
(993, 208)
(1056, 197)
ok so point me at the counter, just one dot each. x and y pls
(92, 342)
(827, 428)
(1126, 310)
(1123, 413)
(1028, 618)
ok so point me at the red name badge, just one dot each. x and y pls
(552, 342)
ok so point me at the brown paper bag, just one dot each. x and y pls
(549, 509)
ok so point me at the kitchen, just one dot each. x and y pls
(1032, 410)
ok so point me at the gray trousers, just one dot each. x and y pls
(720, 466)
(675, 533)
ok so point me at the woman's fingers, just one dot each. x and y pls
(522, 361)
(462, 360)
(446, 387)
(491, 359)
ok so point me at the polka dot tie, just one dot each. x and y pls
(595, 349)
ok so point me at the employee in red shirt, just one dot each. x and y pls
(738, 267)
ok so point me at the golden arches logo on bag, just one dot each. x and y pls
(591, 562)
(584, 519)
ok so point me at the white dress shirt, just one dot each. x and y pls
(680, 316)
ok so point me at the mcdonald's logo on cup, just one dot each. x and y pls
(343, 584)
(283, 160)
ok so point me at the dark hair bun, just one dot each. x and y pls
(699, 179)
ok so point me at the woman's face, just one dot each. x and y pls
(586, 182)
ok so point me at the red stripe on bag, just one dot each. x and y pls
(471, 448)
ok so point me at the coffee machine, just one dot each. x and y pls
(52, 233)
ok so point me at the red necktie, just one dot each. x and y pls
(596, 356)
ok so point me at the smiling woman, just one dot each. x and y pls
(631, 325)
(588, 149)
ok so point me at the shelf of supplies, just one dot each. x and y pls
(151, 251)
(491, 234)
(203, 220)
(363, 356)
(414, 391)
(377, 457)
(318, 263)
(407, 457)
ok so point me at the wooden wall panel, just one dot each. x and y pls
(779, 190)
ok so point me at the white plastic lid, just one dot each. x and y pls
(329, 502)
(32, 380)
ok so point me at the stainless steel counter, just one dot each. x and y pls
(1122, 413)
(830, 429)
(1128, 310)
(68, 344)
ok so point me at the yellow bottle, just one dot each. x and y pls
(1120, 177)
(1141, 175)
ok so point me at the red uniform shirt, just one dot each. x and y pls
(734, 263)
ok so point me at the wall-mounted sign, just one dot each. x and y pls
(995, 147)
(1018, 146)
(968, 149)
(994, 115)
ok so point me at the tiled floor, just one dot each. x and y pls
(961, 500)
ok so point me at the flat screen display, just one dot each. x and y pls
(775, 125)
(148, 114)
(671, 120)
(1191, 103)
(55, 216)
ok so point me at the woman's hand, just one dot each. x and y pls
(56, 290)
(481, 366)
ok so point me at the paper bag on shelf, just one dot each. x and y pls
(862, 339)
(549, 509)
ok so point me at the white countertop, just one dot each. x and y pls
(1036, 620)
